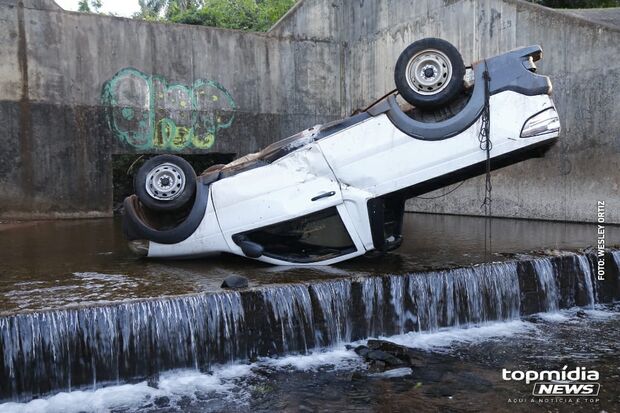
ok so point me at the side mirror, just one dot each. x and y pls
(251, 249)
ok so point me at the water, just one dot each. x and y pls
(65, 349)
(334, 302)
(584, 265)
(83, 323)
(616, 257)
(460, 372)
(52, 264)
(372, 295)
(548, 284)
(291, 308)
(94, 346)
(459, 296)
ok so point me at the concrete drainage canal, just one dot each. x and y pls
(444, 339)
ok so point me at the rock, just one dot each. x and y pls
(153, 381)
(507, 254)
(162, 401)
(235, 281)
(383, 356)
(185, 402)
(361, 351)
(395, 373)
(405, 354)
(385, 345)
(581, 314)
(588, 250)
(376, 366)
(533, 318)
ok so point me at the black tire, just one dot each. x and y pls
(443, 89)
(178, 196)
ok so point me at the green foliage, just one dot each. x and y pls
(578, 4)
(89, 6)
(150, 9)
(83, 6)
(254, 15)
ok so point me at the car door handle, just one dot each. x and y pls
(324, 195)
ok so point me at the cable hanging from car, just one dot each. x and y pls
(484, 136)
(444, 194)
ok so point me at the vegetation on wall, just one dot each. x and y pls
(260, 15)
(254, 15)
(89, 6)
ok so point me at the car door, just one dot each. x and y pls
(293, 207)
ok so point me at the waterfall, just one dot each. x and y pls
(291, 308)
(334, 301)
(586, 272)
(397, 300)
(65, 349)
(616, 256)
(372, 297)
(548, 284)
(465, 295)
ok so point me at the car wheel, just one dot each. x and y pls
(429, 73)
(165, 183)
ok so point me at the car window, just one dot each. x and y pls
(316, 237)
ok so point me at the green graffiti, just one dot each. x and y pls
(146, 112)
(127, 113)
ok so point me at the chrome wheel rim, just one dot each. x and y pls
(165, 182)
(429, 72)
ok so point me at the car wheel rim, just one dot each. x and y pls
(165, 182)
(429, 72)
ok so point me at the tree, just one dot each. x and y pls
(90, 6)
(150, 9)
(255, 15)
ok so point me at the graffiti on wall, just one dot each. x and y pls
(146, 112)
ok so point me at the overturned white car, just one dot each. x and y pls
(337, 191)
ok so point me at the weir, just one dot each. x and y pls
(89, 347)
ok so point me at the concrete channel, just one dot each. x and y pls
(86, 325)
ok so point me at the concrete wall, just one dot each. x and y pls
(176, 88)
(77, 88)
(581, 57)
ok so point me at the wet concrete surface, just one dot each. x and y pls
(51, 264)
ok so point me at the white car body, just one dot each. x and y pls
(340, 175)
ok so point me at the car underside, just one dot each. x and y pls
(336, 191)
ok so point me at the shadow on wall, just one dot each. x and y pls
(146, 112)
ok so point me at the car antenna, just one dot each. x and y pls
(391, 92)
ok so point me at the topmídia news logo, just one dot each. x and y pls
(576, 382)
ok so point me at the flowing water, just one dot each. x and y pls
(51, 264)
(181, 343)
(461, 372)
(548, 284)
